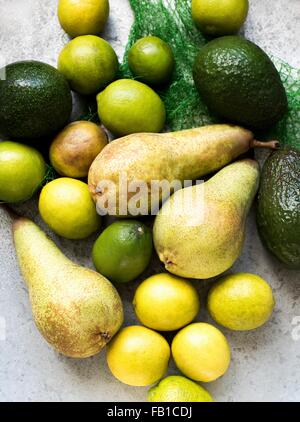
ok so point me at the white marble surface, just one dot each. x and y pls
(265, 363)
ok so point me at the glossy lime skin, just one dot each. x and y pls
(127, 106)
(67, 208)
(22, 170)
(123, 251)
(89, 63)
(151, 60)
(35, 100)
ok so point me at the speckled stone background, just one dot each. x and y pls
(265, 363)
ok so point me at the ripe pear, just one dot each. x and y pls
(184, 155)
(76, 309)
(199, 232)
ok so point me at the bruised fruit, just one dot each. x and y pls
(75, 148)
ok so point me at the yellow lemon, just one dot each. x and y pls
(83, 17)
(164, 302)
(219, 17)
(66, 206)
(201, 352)
(138, 356)
(176, 388)
(241, 301)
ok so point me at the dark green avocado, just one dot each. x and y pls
(35, 100)
(278, 214)
(239, 83)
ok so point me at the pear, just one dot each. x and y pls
(177, 156)
(76, 309)
(199, 232)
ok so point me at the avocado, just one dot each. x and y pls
(35, 100)
(278, 213)
(239, 83)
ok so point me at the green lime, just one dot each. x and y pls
(241, 301)
(151, 60)
(176, 388)
(219, 17)
(123, 250)
(22, 170)
(66, 206)
(82, 17)
(89, 63)
(128, 106)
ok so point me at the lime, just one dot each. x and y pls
(241, 301)
(176, 388)
(151, 60)
(201, 352)
(128, 106)
(123, 250)
(164, 302)
(219, 17)
(82, 17)
(138, 356)
(89, 63)
(22, 170)
(68, 209)
(75, 148)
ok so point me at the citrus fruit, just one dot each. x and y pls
(128, 106)
(123, 250)
(219, 17)
(241, 301)
(176, 388)
(164, 302)
(75, 148)
(138, 356)
(89, 63)
(151, 60)
(82, 17)
(201, 352)
(22, 170)
(66, 206)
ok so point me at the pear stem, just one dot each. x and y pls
(269, 144)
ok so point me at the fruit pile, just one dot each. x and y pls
(198, 229)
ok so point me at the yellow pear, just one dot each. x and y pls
(199, 232)
(76, 309)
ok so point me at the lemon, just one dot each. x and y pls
(164, 302)
(83, 17)
(22, 170)
(123, 250)
(219, 17)
(127, 106)
(68, 209)
(151, 60)
(201, 352)
(138, 356)
(241, 301)
(176, 388)
(89, 63)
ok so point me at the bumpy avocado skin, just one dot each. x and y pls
(35, 100)
(239, 82)
(278, 214)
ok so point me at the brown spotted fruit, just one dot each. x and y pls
(75, 148)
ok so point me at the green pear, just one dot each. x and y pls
(177, 156)
(199, 232)
(76, 309)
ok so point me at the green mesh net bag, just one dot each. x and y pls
(171, 21)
